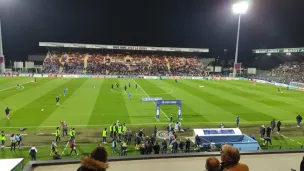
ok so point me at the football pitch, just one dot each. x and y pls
(92, 102)
(90, 105)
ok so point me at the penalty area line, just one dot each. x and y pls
(149, 97)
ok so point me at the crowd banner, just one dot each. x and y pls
(151, 77)
(197, 78)
(174, 77)
(150, 99)
(164, 77)
(186, 77)
(111, 76)
(69, 76)
(97, 76)
(84, 76)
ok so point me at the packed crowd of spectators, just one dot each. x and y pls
(285, 73)
(51, 63)
(121, 64)
(74, 64)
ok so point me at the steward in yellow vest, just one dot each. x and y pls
(104, 135)
(57, 134)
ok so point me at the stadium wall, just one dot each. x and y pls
(33, 164)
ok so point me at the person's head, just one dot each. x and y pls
(105, 129)
(212, 164)
(230, 154)
(57, 128)
(56, 153)
(100, 154)
(12, 135)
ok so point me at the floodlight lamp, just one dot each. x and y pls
(288, 54)
(240, 8)
(268, 54)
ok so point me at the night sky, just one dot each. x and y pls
(174, 23)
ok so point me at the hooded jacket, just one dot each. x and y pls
(89, 164)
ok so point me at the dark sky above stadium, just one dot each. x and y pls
(178, 23)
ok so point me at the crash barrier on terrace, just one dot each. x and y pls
(34, 164)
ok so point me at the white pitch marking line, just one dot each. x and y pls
(14, 87)
(149, 97)
(154, 123)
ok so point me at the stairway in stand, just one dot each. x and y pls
(61, 65)
(168, 64)
(85, 63)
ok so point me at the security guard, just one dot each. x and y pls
(114, 130)
(119, 132)
(72, 133)
(111, 131)
(124, 128)
(2, 138)
(104, 136)
(57, 134)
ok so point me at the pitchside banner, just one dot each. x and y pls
(150, 99)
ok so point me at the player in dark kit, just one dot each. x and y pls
(7, 112)
(112, 86)
(129, 85)
(125, 88)
(57, 100)
(136, 86)
(117, 85)
(176, 80)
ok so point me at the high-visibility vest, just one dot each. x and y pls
(57, 132)
(111, 128)
(71, 132)
(104, 133)
(119, 130)
(124, 128)
(114, 129)
(2, 137)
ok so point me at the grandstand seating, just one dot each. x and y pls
(286, 72)
(121, 64)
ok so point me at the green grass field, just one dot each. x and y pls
(90, 104)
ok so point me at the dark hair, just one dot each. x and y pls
(100, 154)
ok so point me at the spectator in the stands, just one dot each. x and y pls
(213, 164)
(230, 157)
(97, 161)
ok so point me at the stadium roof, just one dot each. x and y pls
(121, 47)
(282, 50)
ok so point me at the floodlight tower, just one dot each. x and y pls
(238, 8)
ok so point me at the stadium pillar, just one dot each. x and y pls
(2, 65)
(237, 45)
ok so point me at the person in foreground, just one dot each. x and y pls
(212, 164)
(230, 157)
(97, 161)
